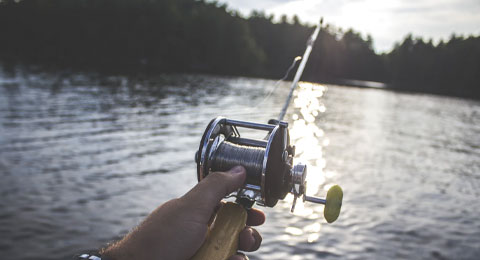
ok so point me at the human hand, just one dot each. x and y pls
(177, 228)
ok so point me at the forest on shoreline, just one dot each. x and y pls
(196, 36)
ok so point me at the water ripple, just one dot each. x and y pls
(83, 153)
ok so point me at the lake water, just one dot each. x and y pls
(84, 158)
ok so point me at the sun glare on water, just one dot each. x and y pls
(309, 140)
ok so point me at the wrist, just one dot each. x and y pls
(123, 250)
(114, 252)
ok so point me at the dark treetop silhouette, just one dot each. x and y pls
(205, 37)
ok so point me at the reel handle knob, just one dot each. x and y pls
(333, 203)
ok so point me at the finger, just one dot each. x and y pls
(249, 239)
(208, 192)
(238, 256)
(256, 217)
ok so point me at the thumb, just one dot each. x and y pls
(208, 192)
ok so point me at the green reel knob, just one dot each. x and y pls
(333, 203)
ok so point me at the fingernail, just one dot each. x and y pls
(237, 169)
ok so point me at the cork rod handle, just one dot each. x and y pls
(222, 238)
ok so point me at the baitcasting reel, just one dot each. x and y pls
(271, 174)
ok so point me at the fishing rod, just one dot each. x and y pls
(271, 172)
(300, 69)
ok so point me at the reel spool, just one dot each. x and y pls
(271, 174)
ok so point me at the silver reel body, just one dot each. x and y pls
(269, 161)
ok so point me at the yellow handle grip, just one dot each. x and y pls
(222, 238)
(334, 203)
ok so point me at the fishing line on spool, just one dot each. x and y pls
(229, 155)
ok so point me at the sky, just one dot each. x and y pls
(387, 21)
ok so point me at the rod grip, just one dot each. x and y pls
(222, 238)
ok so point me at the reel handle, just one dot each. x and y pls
(222, 237)
(333, 203)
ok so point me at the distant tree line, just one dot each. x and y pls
(205, 37)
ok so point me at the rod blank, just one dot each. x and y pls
(310, 43)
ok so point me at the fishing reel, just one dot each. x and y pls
(271, 174)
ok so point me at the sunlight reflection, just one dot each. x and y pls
(293, 231)
(327, 186)
(313, 237)
(309, 141)
(326, 142)
(330, 174)
(313, 228)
